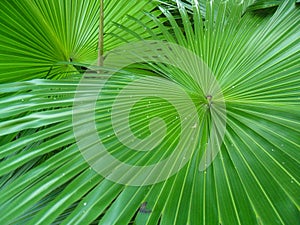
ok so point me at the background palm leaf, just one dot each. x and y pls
(253, 180)
(36, 35)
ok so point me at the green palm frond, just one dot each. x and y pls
(36, 35)
(254, 179)
(264, 4)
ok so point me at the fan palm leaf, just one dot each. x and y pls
(36, 35)
(254, 178)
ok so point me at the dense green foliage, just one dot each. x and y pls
(254, 53)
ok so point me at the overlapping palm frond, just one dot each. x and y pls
(253, 180)
(37, 35)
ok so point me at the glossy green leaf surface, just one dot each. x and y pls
(254, 179)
